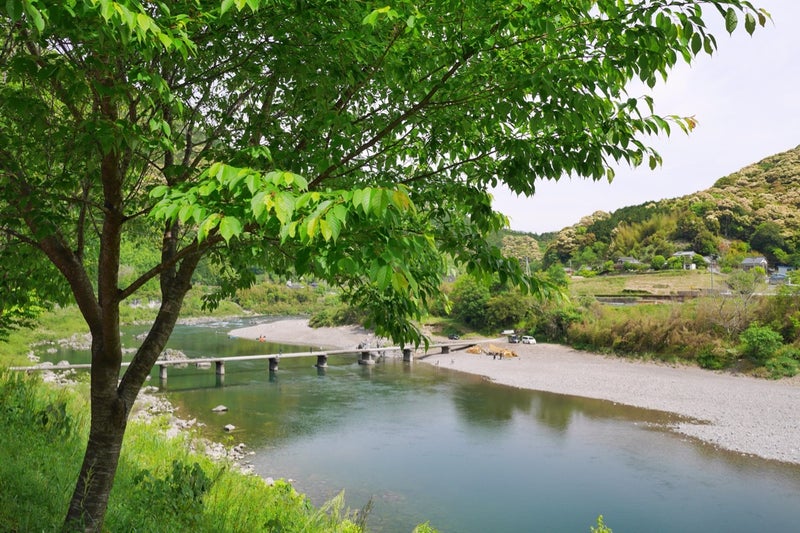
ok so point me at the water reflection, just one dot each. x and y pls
(484, 404)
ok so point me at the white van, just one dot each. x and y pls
(527, 339)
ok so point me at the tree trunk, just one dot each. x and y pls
(109, 418)
(87, 509)
(112, 400)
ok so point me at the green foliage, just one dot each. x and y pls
(754, 207)
(505, 310)
(715, 356)
(784, 364)
(180, 493)
(601, 526)
(159, 488)
(552, 322)
(557, 275)
(747, 282)
(36, 485)
(760, 343)
(274, 298)
(336, 314)
(469, 298)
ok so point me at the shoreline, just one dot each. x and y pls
(734, 412)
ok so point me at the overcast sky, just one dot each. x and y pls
(746, 98)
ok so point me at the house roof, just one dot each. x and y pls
(754, 260)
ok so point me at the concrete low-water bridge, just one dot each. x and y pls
(366, 356)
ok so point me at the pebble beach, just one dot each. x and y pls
(734, 412)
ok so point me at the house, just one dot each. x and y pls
(687, 259)
(753, 262)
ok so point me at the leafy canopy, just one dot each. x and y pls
(354, 143)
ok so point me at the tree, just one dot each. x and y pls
(469, 298)
(768, 240)
(343, 140)
(505, 310)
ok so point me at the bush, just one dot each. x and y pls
(336, 315)
(781, 366)
(760, 343)
(785, 364)
(715, 357)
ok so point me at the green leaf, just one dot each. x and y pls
(14, 9)
(731, 20)
(226, 5)
(230, 227)
(36, 16)
(284, 206)
(143, 21)
(366, 200)
(709, 44)
(379, 202)
(207, 226)
(185, 213)
(258, 206)
(334, 226)
(158, 191)
(253, 182)
(325, 229)
(750, 23)
(697, 43)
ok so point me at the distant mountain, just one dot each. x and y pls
(750, 212)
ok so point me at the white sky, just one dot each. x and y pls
(746, 98)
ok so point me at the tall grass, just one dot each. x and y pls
(42, 435)
(160, 485)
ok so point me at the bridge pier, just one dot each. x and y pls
(445, 349)
(407, 355)
(273, 364)
(162, 373)
(366, 359)
(322, 361)
(220, 367)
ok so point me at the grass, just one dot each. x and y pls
(659, 283)
(160, 485)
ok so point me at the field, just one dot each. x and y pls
(657, 283)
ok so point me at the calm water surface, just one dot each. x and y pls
(426, 444)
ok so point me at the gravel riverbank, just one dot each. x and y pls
(738, 413)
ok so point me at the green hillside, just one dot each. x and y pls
(755, 211)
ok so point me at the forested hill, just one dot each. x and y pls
(755, 211)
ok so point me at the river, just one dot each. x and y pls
(426, 444)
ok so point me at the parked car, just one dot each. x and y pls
(454, 336)
(527, 339)
(513, 339)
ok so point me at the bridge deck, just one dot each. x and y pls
(161, 363)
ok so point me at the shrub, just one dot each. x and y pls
(781, 366)
(336, 315)
(715, 357)
(760, 343)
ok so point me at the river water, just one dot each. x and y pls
(426, 444)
